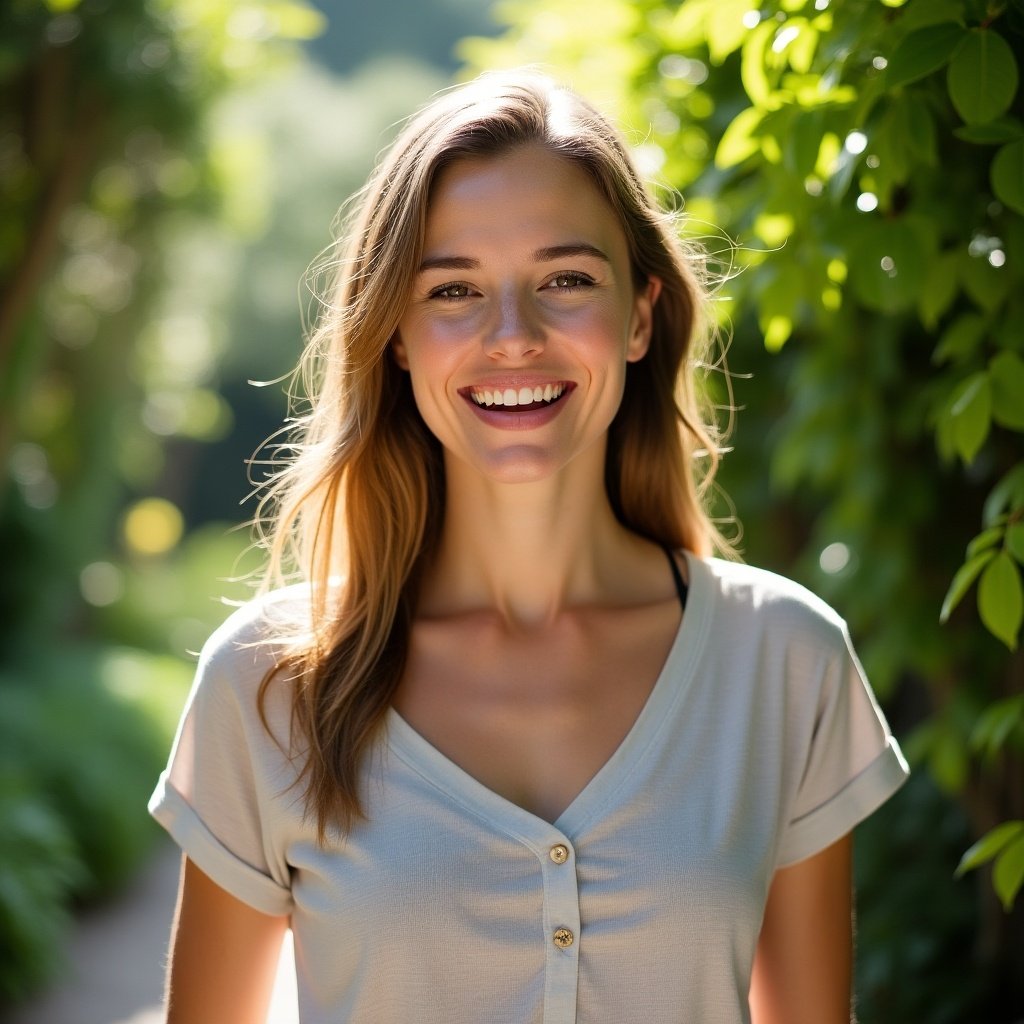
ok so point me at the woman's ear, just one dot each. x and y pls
(398, 351)
(643, 319)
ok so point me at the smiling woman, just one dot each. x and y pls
(545, 304)
(517, 747)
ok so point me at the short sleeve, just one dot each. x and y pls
(217, 794)
(852, 766)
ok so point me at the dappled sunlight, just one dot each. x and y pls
(853, 173)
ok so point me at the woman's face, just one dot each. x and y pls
(522, 317)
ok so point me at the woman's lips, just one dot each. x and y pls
(518, 408)
(512, 397)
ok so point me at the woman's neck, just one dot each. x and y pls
(531, 551)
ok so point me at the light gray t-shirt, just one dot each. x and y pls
(760, 745)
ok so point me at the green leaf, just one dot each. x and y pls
(776, 329)
(724, 27)
(687, 26)
(738, 140)
(891, 145)
(923, 52)
(1006, 496)
(1002, 129)
(982, 76)
(971, 413)
(938, 292)
(995, 724)
(987, 285)
(802, 49)
(989, 845)
(922, 140)
(777, 304)
(775, 230)
(961, 339)
(935, 12)
(1007, 175)
(1015, 541)
(887, 262)
(1006, 371)
(803, 141)
(986, 539)
(1001, 599)
(965, 576)
(1008, 872)
(753, 72)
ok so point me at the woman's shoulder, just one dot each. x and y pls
(258, 634)
(747, 590)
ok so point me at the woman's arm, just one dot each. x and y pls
(224, 955)
(804, 961)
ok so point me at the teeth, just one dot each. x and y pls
(524, 396)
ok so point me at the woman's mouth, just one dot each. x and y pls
(522, 399)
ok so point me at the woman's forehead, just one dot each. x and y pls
(529, 188)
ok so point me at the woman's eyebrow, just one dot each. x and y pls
(559, 252)
(448, 263)
(545, 255)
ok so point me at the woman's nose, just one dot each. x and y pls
(516, 329)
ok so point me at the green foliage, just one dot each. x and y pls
(108, 149)
(914, 939)
(982, 76)
(40, 870)
(81, 739)
(1000, 724)
(868, 160)
(1004, 845)
(1000, 601)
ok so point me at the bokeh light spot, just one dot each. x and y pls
(856, 142)
(101, 583)
(834, 558)
(153, 526)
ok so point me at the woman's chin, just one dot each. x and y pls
(526, 463)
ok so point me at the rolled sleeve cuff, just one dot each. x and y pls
(214, 859)
(861, 796)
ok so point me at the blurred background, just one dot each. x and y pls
(855, 171)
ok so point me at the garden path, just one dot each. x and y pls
(116, 956)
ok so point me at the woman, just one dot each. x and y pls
(519, 749)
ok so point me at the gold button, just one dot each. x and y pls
(563, 937)
(559, 854)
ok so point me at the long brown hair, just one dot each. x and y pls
(356, 511)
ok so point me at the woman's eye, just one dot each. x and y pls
(569, 282)
(451, 291)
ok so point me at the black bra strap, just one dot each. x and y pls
(681, 588)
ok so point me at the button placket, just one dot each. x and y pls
(562, 922)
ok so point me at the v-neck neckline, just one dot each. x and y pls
(672, 681)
